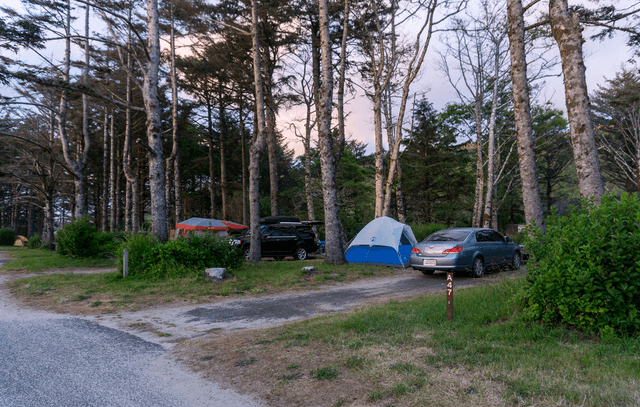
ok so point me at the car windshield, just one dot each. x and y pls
(447, 236)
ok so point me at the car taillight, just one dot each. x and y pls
(456, 249)
(415, 250)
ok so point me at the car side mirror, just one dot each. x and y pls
(509, 240)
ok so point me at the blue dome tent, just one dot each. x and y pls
(383, 241)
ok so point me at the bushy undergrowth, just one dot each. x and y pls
(35, 242)
(81, 239)
(7, 237)
(421, 231)
(585, 271)
(178, 258)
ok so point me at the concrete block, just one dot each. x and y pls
(216, 274)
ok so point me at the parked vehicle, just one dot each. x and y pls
(470, 250)
(282, 239)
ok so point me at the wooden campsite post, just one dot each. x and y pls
(125, 263)
(449, 286)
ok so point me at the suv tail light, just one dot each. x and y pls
(456, 249)
(415, 250)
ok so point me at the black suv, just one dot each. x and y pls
(282, 237)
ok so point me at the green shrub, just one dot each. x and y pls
(78, 239)
(109, 242)
(35, 242)
(585, 271)
(7, 237)
(421, 231)
(178, 258)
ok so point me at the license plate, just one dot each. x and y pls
(428, 262)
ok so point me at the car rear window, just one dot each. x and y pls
(447, 236)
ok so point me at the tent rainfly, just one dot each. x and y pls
(383, 241)
(210, 225)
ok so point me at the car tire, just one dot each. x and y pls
(517, 261)
(428, 272)
(301, 253)
(477, 269)
(245, 253)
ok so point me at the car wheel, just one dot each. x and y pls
(517, 259)
(245, 253)
(301, 253)
(477, 270)
(428, 272)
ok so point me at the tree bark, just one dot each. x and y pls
(223, 158)
(533, 210)
(212, 191)
(131, 218)
(333, 224)
(77, 165)
(113, 217)
(566, 30)
(105, 172)
(258, 142)
(244, 161)
(154, 130)
(273, 154)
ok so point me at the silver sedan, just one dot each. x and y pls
(465, 249)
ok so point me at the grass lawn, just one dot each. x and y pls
(35, 260)
(408, 354)
(109, 292)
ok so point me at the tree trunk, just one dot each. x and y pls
(333, 225)
(174, 158)
(491, 159)
(379, 153)
(212, 194)
(258, 142)
(567, 32)
(342, 75)
(533, 210)
(154, 130)
(131, 216)
(399, 198)
(105, 172)
(112, 180)
(77, 166)
(223, 158)
(477, 205)
(273, 155)
(244, 161)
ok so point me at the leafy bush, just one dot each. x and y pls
(421, 231)
(7, 237)
(177, 258)
(78, 239)
(585, 271)
(35, 242)
(109, 242)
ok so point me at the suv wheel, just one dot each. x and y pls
(245, 253)
(301, 253)
(517, 259)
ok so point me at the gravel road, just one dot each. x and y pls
(54, 360)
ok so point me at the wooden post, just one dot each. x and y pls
(125, 263)
(449, 286)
